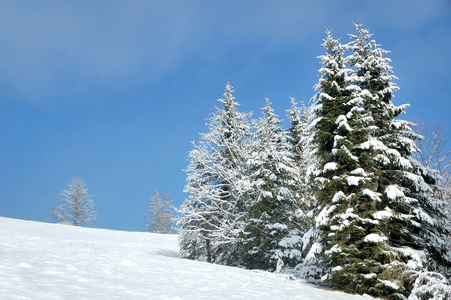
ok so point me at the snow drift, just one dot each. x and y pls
(52, 261)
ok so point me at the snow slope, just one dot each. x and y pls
(52, 261)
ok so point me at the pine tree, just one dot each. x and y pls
(375, 218)
(272, 229)
(215, 202)
(304, 160)
(413, 218)
(297, 132)
(343, 182)
(199, 213)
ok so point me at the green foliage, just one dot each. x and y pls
(271, 221)
(364, 170)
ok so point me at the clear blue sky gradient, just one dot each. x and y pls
(114, 91)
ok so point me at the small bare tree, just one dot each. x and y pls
(160, 213)
(77, 207)
(435, 154)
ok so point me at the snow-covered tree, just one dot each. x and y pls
(299, 137)
(215, 207)
(433, 161)
(343, 184)
(418, 220)
(272, 228)
(77, 207)
(159, 213)
(375, 219)
(298, 131)
(199, 214)
(434, 154)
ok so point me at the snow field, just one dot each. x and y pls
(53, 261)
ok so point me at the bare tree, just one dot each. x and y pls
(160, 213)
(435, 154)
(77, 207)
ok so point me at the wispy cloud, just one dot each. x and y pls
(47, 47)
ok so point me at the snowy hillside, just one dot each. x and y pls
(51, 261)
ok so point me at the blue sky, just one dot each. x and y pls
(114, 91)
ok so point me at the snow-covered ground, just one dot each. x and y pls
(52, 261)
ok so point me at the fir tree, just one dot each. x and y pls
(375, 218)
(297, 132)
(303, 159)
(415, 220)
(343, 181)
(199, 213)
(272, 229)
(215, 206)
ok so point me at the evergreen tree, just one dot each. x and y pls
(215, 202)
(375, 218)
(415, 219)
(199, 214)
(343, 182)
(272, 228)
(304, 160)
(297, 132)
